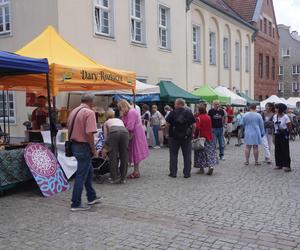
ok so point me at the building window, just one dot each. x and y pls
(5, 19)
(196, 43)
(296, 87)
(286, 52)
(237, 56)
(265, 25)
(226, 52)
(103, 19)
(138, 21)
(268, 67)
(273, 32)
(296, 69)
(280, 70)
(260, 66)
(273, 68)
(270, 28)
(9, 107)
(280, 87)
(164, 27)
(212, 48)
(261, 25)
(247, 58)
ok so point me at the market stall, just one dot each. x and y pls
(69, 70)
(169, 92)
(208, 94)
(275, 99)
(143, 93)
(13, 169)
(235, 99)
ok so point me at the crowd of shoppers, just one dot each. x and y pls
(126, 137)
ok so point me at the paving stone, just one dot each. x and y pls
(237, 208)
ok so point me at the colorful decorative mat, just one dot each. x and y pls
(45, 169)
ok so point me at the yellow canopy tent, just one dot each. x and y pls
(70, 70)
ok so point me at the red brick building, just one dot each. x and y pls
(261, 14)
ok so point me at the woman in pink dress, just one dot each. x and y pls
(138, 147)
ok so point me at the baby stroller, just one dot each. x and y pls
(100, 165)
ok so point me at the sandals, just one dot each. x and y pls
(134, 175)
(257, 164)
(246, 163)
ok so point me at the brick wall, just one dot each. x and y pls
(267, 46)
(264, 87)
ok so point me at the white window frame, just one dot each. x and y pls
(280, 70)
(137, 20)
(196, 43)
(12, 118)
(247, 58)
(212, 48)
(3, 5)
(296, 69)
(164, 27)
(237, 56)
(98, 4)
(296, 86)
(226, 53)
(286, 52)
(280, 87)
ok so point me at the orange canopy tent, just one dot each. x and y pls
(70, 70)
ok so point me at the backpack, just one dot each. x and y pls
(181, 128)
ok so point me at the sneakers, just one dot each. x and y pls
(287, 169)
(172, 176)
(113, 181)
(80, 208)
(95, 201)
(210, 171)
(156, 147)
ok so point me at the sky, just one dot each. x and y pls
(288, 13)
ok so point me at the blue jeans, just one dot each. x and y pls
(155, 132)
(84, 174)
(218, 135)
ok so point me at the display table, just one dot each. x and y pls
(68, 164)
(13, 168)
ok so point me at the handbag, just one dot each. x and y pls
(198, 143)
(68, 143)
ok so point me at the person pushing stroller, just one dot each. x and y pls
(116, 147)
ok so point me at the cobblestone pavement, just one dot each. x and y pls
(239, 207)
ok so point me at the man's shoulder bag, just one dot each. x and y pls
(68, 143)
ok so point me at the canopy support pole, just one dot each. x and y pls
(3, 110)
(68, 101)
(52, 125)
(8, 117)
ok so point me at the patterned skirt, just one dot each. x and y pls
(207, 157)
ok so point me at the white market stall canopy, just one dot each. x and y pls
(236, 100)
(141, 89)
(293, 101)
(275, 99)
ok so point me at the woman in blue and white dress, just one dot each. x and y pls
(254, 132)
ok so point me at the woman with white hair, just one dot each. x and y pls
(138, 147)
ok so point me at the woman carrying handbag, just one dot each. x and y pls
(206, 157)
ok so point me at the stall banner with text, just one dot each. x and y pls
(45, 169)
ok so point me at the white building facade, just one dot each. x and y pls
(190, 44)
